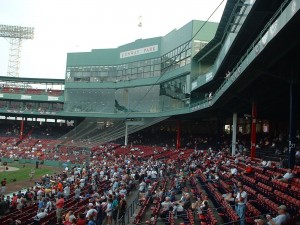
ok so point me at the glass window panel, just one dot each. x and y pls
(135, 64)
(182, 63)
(182, 56)
(188, 60)
(146, 68)
(134, 70)
(189, 52)
(157, 67)
(104, 73)
(156, 73)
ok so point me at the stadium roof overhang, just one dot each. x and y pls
(255, 21)
(32, 80)
(267, 81)
(210, 51)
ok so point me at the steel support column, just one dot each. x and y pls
(178, 135)
(292, 127)
(234, 129)
(253, 131)
(22, 129)
(126, 134)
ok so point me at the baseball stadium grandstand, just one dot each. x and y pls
(200, 126)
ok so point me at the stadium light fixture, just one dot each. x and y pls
(15, 34)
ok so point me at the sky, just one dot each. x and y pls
(63, 26)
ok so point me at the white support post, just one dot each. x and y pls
(126, 134)
(234, 128)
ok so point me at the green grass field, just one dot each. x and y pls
(23, 173)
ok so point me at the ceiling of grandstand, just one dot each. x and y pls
(269, 76)
(260, 14)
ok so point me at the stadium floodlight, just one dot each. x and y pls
(15, 34)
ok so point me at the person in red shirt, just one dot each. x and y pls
(59, 207)
(81, 219)
(14, 201)
(60, 187)
(249, 169)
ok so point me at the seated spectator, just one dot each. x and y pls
(172, 194)
(200, 206)
(297, 154)
(40, 215)
(69, 217)
(159, 193)
(166, 207)
(286, 177)
(187, 202)
(166, 204)
(232, 194)
(282, 217)
(143, 197)
(91, 220)
(266, 164)
(260, 222)
(81, 219)
(142, 187)
(91, 211)
(263, 162)
(178, 209)
(249, 169)
(236, 160)
(233, 171)
(277, 152)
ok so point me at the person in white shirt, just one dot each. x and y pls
(166, 204)
(91, 211)
(115, 185)
(263, 163)
(178, 209)
(282, 217)
(49, 205)
(153, 174)
(82, 181)
(142, 186)
(40, 215)
(240, 201)
(67, 191)
(228, 162)
(297, 154)
(123, 191)
(236, 160)
(234, 171)
(286, 177)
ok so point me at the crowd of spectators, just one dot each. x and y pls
(104, 185)
(99, 190)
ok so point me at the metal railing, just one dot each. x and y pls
(127, 216)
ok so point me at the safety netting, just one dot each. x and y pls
(92, 132)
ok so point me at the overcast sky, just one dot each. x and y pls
(63, 26)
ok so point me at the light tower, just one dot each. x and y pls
(15, 34)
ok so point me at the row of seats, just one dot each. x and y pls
(265, 194)
(15, 90)
(27, 214)
(145, 205)
(206, 218)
